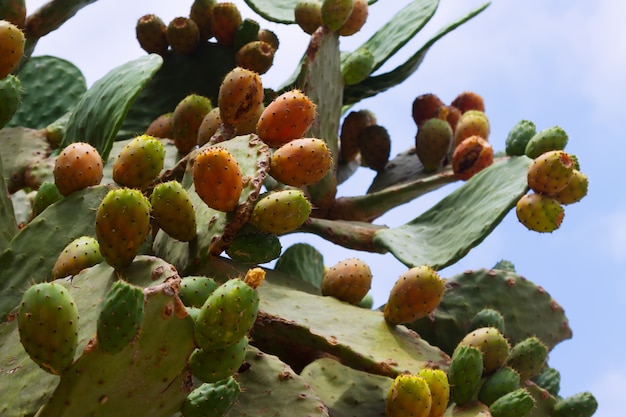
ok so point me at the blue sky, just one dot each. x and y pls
(555, 63)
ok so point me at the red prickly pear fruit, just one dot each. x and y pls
(351, 127)
(518, 137)
(492, 344)
(217, 178)
(269, 37)
(415, 294)
(79, 254)
(375, 147)
(471, 123)
(281, 212)
(151, 34)
(453, 116)
(122, 225)
(575, 190)
(335, 13)
(47, 194)
(240, 96)
(225, 19)
(439, 387)
(550, 172)
(257, 56)
(348, 280)
(518, 403)
(470, 157)
(583, 404)
(12, 42)
(173, 212)
(408, 395)
(357, 66)
(289, 116)
(13, 11)
(139, 162)
(468, 100)
(425, 107)
(186, 121)
(464, 374)
(539, 212)
(200, 13)
(183, 35)
(194, 290)
(432, 143)
(213, 365)
(528, 357)
(10, 98)
(48, 325)
(78, 166)
(551, 139)
(308, 15)
(500, 383)
(162, 127)
(356, 19)
(210, 123)
(301, 162)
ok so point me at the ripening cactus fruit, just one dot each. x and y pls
(539, 212)
(500, 383)
(225, 19)
(551, 139)
(550, 172)
(194, 290)
(240, 96)
(78, 166)
(464, 374)
(210, 123)
(301, 162)
(518, 403)
(582, 404)
(356, 19)
(286, 118)
(425, 107)
(211, 399)
(217, 178)
(468, 100)
(351, 127)
(415, 294)
(348, 280)
(281, 212)
(173, 211)
(357, 66)
(12, 42)
(139, 162)
(257, 56)
(186, 120)
(122, 225)
(213, 365)
(375, 147)
(492, 344)
(528, 357)
(200, 13)
(470, 157)
(10, 98)
(47, 194)
(432, 143)
(335, 13)
(518, 137)
(151, 34)
(161, 127)
(408, 395)
(183, 35)
(48, 325)
(308, 15)
(83, 252)
(439, 388)
(575, 190)
(471, 123)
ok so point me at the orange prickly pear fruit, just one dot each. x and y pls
(468, 100)
(308, 15)
(183, 35)
(348, 280)
(13, 11)
(425, 107)
(281, 212)
(375, 147)
(139, 162)
(225, 19)
(471, 156)
(439, 387)
(12, 42)
(492, 344)
(351, 127)
(210, 123)
(287, 117)
(408, 395)
(269, 37)
(240, 96)
(539, 212)
(173, 212)
(257, 56)
(151, 33)
(200, 13)
(78, 166)
(355, 20)
(432, 143)
(186, 121)
(301, 162)
(336, 12)
(161, 127)
(575, 190)
(248, 126)
(471, 123)
(550, 172)
(453, 116)
(217, 178)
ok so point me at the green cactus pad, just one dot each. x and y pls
(21, 148)
(304, 262)
(8, 223)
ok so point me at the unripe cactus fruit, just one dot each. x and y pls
(186, 121)
(468, 100)
(518, 403)
(500, 383)
(217, 178)
(48, 326)
(487, 317)
(240, 96)
(348, 280)
(582, 404)
(408, 395)
(281, 212)
(12, 42)
(492, 344)
(162, 126)
(336, 12)
(471, 123)
(151, 34)
(375, 147)
(439, 387)
(432, 143)
(551, 139)
(225, 19)
(301, 162)
(550, 380)
(357, 66)
(213, 365)
(308, 15)
(210, 123)
(257, 56)
(550, 172)
(194, 290)
(47, 194)
(518, 137)
(10, 98)
(351, 127)
(539, 212)
(83, 252)
(356, 19)
(78, 166)
(575, 190)
(183, 35)
(471, 156)
(466, 368)
(122, 225)
(528, 357)
(200, 13)
(254, 247)
(287, 117)
(139, 162)
(211, 399)
(415, 294)
(425, 107)
(173, 212)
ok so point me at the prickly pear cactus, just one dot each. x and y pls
(130, 283)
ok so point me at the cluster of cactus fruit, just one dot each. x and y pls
(136, 215)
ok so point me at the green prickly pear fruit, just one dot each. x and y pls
(121, 314)
(13, 11)
(432, 143)
(254, 248)
(269, 37)
(209, 126)
(375, 147)
(335, 13)
(550, 380)
(504, 265)
(217, 178)
(286, 118)
(539, 212)
(471, 123)
(247, 31)
(200, 13)
(468, 100)
(162, 126)
(257, 56)
(10, 98)
(575, 190)
(186, 121)
(550, 172)
(308, 15)
(48, 326)
(366, 302)
(492, 344)
(151, 34)
(78, 166)
(470, 157)
(183, 35)
(173, 211)
(519, 136)
(518, 403)
(408, 395)
(582, 404)
(240, 96)
(356, 19)
(464, 374)
(348, 280)
(47, 194)
(528, 357)
(500, 383)
(357, 66)
(225, 19)
(81, 253)
(122, 225)
(194, 290)
(439, 387)
(415, 294)
(301, 162)
(487, 317)
(212, 365)
(211, 399)
(281, 212)
(139, 162)
(425, 107)
(12, 42)
(351, 127)
(551, 139)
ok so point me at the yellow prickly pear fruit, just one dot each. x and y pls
(471, 123)
(408, 395)
(151, 34)
(301, 162)
(575, 189)
(240, 96)
(550, 172)
(335, 13)
(217, 178)
(139, 162)
(539, 212)
(81, 253)
(225, 19)
(439, 387)
(492, 344)
(308, 15)
(12, 42)
(183, 35)
(281, 212)
(348, 280)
